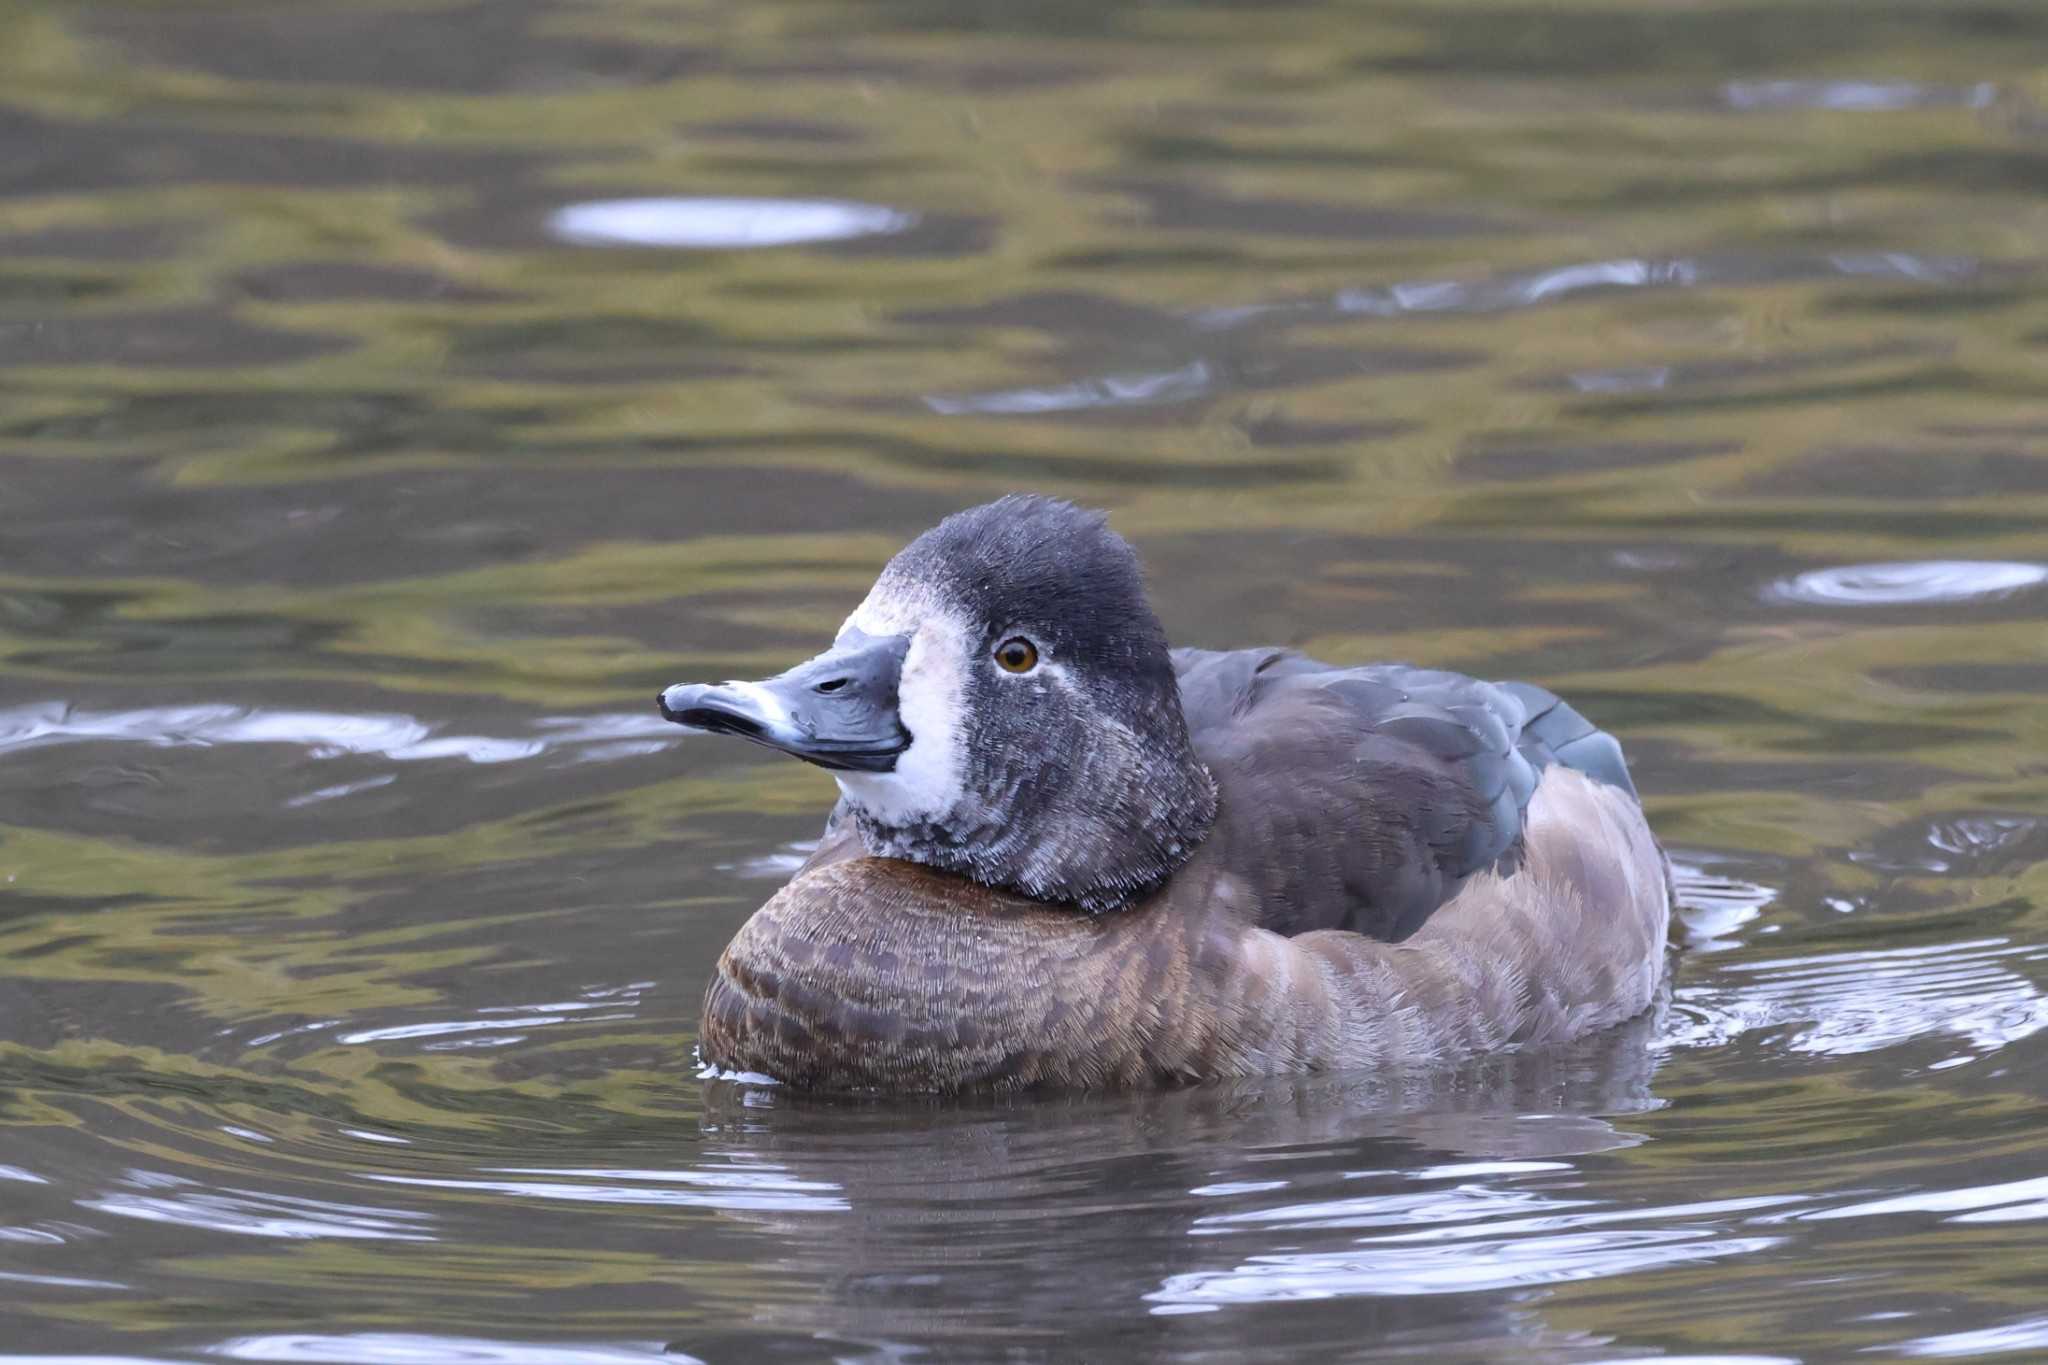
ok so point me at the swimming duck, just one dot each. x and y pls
(1068, 856)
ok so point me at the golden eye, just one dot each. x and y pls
(1017, 655)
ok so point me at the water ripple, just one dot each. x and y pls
(1376, 1269)
(1465, 1237)
(335, 793)
(1525, 289)
(332, 734)
(738, 1187)
(2017, 1201)
(1425, 1209)
(33, 1236)
(1858, 96)
(1108, 391)
(422, 1348)
(779, 866)
(1843, 1004)
(255, 1214)
(1908, 582)
(1711, 905)
(2025, 1334)
(1978, 834)
(57, 1281)
(1631, 379)
(713, 224)
(603, 1005)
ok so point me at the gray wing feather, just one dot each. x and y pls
(1558, 734)
(1364, 797)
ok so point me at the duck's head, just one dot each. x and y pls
(1002, 706)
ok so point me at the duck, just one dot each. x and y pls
(1067, 856)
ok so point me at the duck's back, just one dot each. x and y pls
(1367, 798)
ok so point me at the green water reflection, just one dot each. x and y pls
(354, 913)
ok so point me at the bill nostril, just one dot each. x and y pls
(830, 685)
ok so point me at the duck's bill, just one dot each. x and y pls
(837, 710)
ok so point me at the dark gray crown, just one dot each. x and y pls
(1087, 793)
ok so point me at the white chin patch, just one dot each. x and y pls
(930, 698)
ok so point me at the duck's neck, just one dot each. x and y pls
(1118, 822)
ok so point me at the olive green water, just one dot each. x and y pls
(359, 486)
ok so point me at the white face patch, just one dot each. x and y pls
(928, 781)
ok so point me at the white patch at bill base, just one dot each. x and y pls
(928, 781)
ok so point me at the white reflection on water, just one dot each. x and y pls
(1966, 843)
(1224, 1188)
(335, 793)
(779, 866)
(57, 1281)
(333, 734)
(1976, 835)
(275, 1035)
(1856, 96)
(1633, 379)
(255, 1214)
(36, 1236)
(1108, 391)
(2026, 1334)
(1465, 1237)
(1421, 1208)
(422, 1348)
(758, 1188)
(1908, 582)
(1466, 1170)
(2020, 1201)
(1841, 1004)
(1501, 293)
(718, 224)
(440, 1027)
(613, 1001)
(1711, 906)
(1514, 291)
(1374, 1268)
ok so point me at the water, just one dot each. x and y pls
(392, 399)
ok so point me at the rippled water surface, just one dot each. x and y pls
(393, 397)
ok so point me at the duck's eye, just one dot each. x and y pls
(1017, 655)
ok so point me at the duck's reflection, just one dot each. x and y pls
(1398, 1208)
